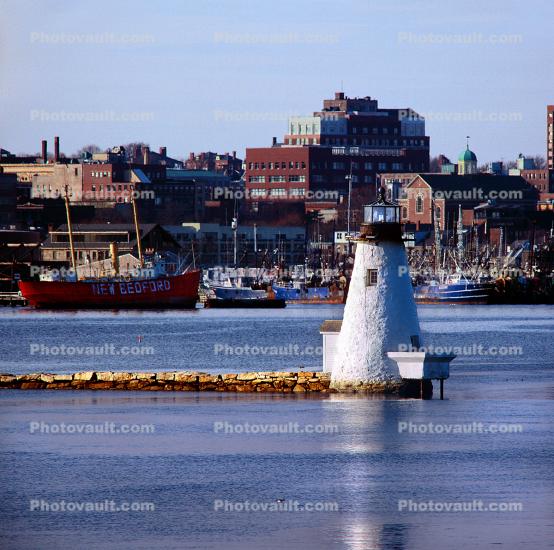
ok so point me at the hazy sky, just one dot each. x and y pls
(221, 76)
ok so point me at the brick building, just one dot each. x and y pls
(226, 164)
(349, 137)
(430, 195)
(550, 137)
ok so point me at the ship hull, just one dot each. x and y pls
(457, 293)
(161, 292)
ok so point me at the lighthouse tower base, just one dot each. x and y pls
(380, 316)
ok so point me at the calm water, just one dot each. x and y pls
(363, 469)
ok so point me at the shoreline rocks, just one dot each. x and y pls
(244, 382)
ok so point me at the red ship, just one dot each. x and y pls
(154, 291)
(160, 292)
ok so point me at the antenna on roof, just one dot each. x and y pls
(467, 141)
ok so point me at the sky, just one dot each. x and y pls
(223, 76)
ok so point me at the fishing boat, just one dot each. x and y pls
(236, 296)
(301, 294)
(456, 290)
(150, 287)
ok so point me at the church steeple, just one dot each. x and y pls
(467, 161)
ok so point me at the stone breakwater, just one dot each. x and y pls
(270, 382)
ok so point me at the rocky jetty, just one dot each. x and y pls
(244, 382)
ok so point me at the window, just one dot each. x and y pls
(438, 212)
(277, 179)
(258, 192)
(277, 192)
(256, 179)
(297, 192)
(419, 204)
(371, 277)
(295, 178)
(382, 166)
(368, 166)
(397, 166)
(404, 212)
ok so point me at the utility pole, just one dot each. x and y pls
(349, 178)
(234, 226)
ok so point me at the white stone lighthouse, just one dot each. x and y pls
(380, 315)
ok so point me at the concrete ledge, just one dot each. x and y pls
(267, 382)
(282, 382)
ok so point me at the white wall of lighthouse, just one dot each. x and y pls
(380, 315)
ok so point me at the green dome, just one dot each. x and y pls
(467, 155)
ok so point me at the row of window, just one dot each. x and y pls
(118, 187)
(276, 165)
(311, 129)
(371, 142)
(278, 179)
(278, 192)
(338, 165)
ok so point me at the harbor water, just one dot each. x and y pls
(318, 471)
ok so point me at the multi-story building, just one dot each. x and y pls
(550, 145)
(110, 177)
(550, 136)
(226, 164)
(52, 185)
(8, 199)
(349, 138)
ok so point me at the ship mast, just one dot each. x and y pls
(70, 231)
(436, 226)
(460, 235)
(137, 229)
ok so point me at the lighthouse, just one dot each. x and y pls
(380, 314)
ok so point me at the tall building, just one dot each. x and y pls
(550, 136)
(348, 138)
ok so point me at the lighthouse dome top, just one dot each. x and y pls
(381, 211)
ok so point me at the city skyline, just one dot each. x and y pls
(202, 77)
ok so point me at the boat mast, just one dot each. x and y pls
(70, 231)
(460, 232)
(137, 229)
(436, 227)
